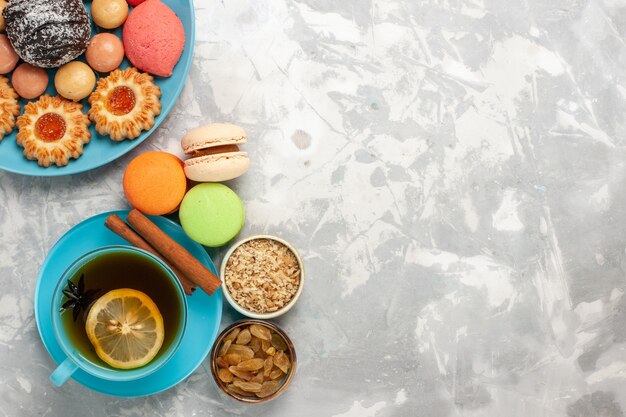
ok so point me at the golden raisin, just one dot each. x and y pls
(225, 347)
(233, 334)
(255, 344)
(261, 332)
(267, 366)
(237, 390)
(268, 388)
(251, 364)
(244, 351)
(221, 362)
(248, 386)
(258, 378)
(233, 358)
(282, 361)
(276, 373)
(240, 373)
(225, 375)
(244, 337)
(278, 342)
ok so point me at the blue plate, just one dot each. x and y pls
(204, 312)
(102, 150)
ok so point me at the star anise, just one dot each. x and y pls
(78, 299)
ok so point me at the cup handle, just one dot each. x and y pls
(63, 372)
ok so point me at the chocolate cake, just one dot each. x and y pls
(47, 33)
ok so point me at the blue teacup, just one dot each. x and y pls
(162, 286)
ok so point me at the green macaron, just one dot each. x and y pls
(212, 214)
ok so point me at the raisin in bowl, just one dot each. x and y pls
(253, 361)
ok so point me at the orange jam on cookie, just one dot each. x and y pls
(121, 101)
(50, 127)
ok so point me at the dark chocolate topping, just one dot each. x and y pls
(47, 33)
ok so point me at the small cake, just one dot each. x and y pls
(8, 57)
(109, 14)
(124, 104)
(52, 130)
(47, 33)
(9, 108)
(75, 80)
(105, 52)
(30, 82)
(154, 38)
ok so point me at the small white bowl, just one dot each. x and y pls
(240, 309)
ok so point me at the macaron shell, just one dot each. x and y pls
(212, 214)
(212, 135)
(155, 183)
(195, 145)
(217, 168)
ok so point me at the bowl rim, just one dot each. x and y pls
(240, 309)
(246, 322)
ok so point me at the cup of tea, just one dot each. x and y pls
(118, 313)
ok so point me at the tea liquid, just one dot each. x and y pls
(112, 271)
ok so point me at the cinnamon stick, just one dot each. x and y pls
(174, 252)
(120, 228)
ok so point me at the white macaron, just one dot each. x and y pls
(214, 153)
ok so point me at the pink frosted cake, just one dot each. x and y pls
(154, 38)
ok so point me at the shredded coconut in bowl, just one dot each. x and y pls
(262, 275)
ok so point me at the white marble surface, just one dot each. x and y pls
(453, 173)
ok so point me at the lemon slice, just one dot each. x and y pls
(126, 328)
